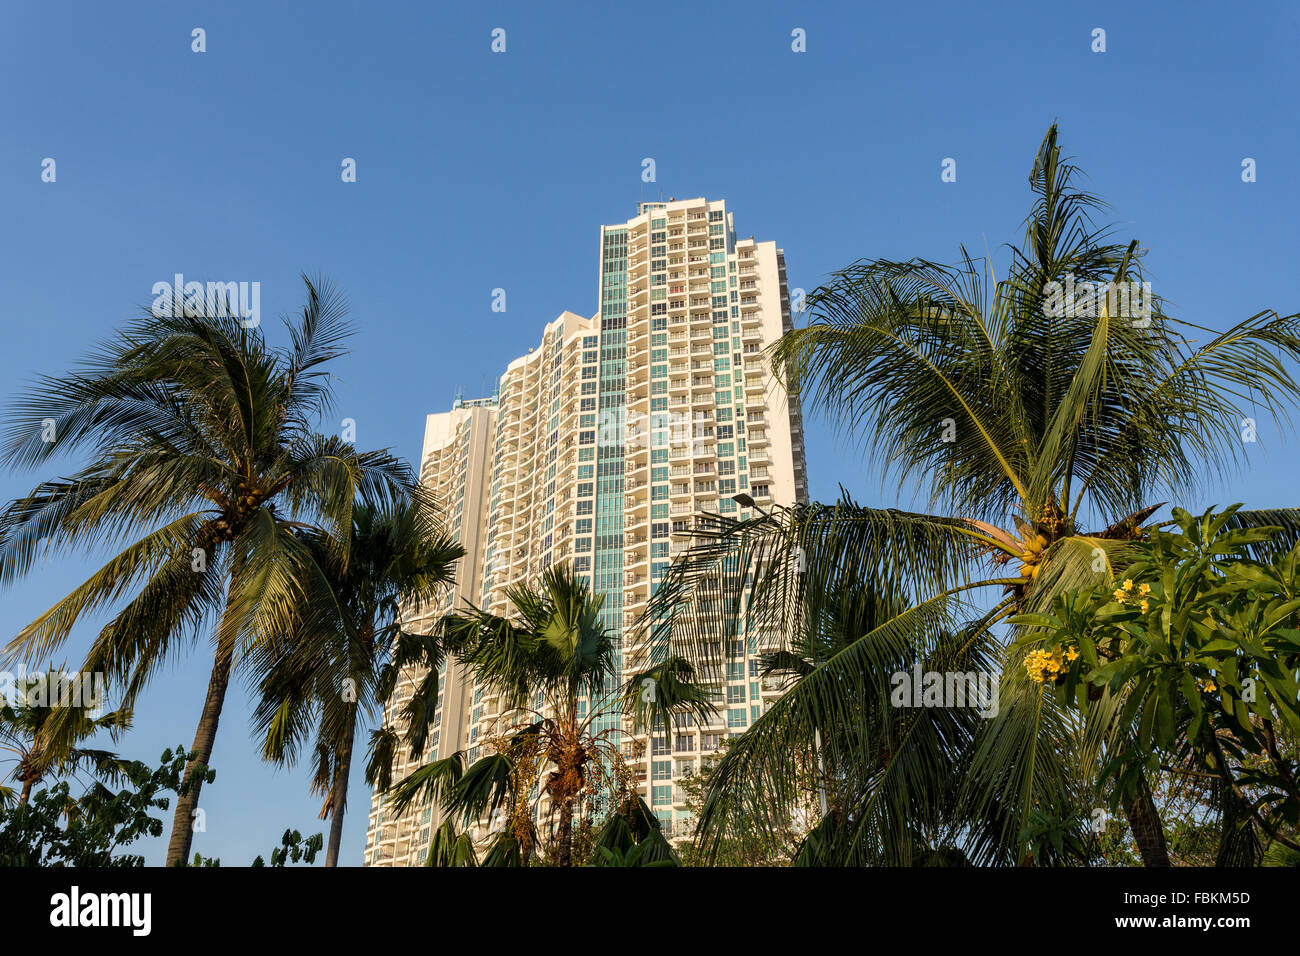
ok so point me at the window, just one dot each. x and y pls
(736, 717)
(736, 694)
(661, 770)
(662, 796)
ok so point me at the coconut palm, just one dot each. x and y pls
(554, 665)
(1046, 428)
(37, 754)
(327, 682)
(203, 466)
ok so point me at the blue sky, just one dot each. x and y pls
(478, 171)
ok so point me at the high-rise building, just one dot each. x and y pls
(617, 431)
(455, 465)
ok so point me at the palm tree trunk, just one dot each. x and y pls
(339, 792)
(1144, 822)
(178, 847)
(27, 791)
(564, 848)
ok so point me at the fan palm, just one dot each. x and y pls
(203, 468)
(555, 667)
(398, 551)
(1044, 431)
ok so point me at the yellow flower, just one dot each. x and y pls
(1120, 595)
(1044, 666)
(1144, 588)
(1072, 655)
(1143, 606)
(1208, 686)
(1128, 584)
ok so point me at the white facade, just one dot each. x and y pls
(454, 466)
(617, 430)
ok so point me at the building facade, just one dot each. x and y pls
(616, 431)
(455, 465)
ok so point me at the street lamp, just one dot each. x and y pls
(745, 501)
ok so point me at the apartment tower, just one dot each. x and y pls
(617, 431)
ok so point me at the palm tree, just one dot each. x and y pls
(555, 668)
(203, 469)
(1045, 432)
(398, 552)
(36, 753)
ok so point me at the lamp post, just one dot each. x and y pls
(746, 501)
